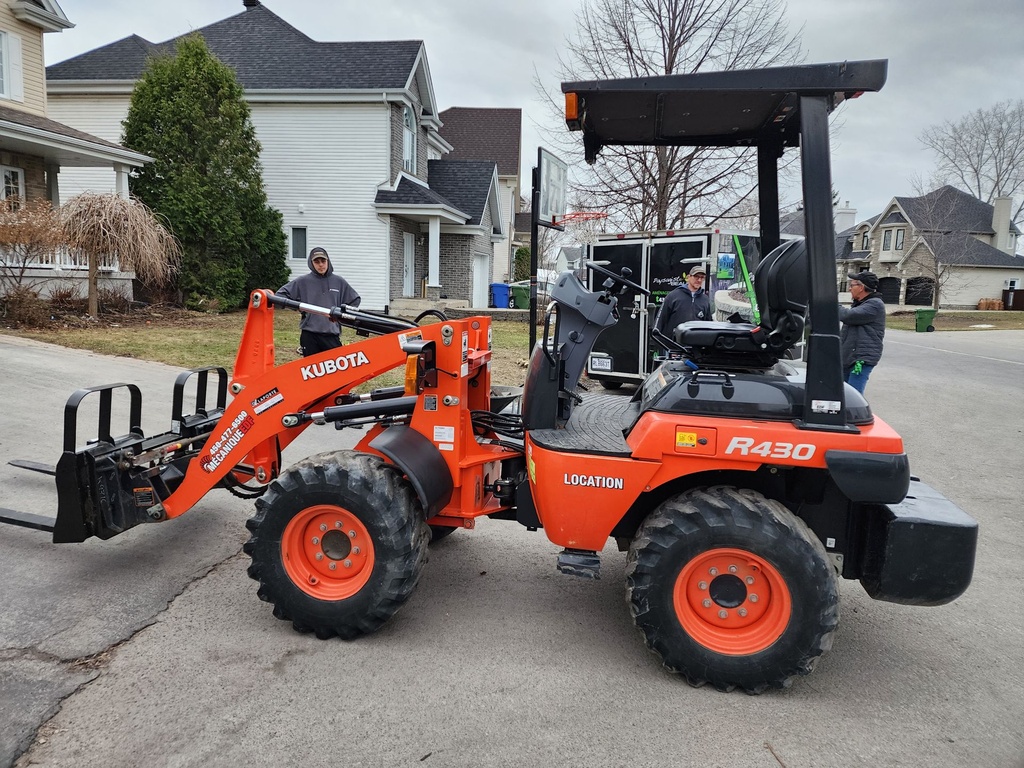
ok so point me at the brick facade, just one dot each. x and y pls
(33, 170)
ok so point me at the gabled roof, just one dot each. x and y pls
(410, 192)
(267, 53)
(948, 209)
(962, 250)
(479, 133)
(470, 184)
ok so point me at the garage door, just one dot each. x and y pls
(919, 291)
(889, 287)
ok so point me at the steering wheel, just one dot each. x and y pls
(618, 278)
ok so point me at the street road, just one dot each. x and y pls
(152, 648)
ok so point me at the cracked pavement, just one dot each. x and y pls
(153, 647)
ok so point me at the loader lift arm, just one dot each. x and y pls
(118, 481)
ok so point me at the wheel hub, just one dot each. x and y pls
(732, 601)
(327, 552)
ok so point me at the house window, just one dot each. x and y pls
(887, 240)
(298, 242)
(899, 239)
(14, 185)
(409, 141)
(865, 242)
(12, 85)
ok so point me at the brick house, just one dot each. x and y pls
(34, 148)
(493, 134)
(946, 237)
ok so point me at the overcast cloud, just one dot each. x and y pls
(946, 58)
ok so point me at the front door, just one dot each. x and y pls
(481, 283)
(409, 266)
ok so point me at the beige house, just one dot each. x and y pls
(946, 240)
(33, 148)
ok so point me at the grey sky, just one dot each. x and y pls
(946, 58)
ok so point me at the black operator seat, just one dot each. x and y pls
(781, 287)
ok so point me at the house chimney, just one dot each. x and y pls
(250, 3)
(844, 218)
(1001, 223)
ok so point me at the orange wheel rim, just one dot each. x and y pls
(732, 601)
(327, 552)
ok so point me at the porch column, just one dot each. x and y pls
(121, 180)
(434, 259)
(52, 188)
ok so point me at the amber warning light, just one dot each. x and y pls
(572, 112)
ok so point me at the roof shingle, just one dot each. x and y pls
(479, 133)
(266, 53)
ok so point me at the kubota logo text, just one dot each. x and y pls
(340, 363)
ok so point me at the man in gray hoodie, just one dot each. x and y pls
(324, 289)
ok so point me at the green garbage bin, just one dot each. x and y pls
(521, 295)
(924, 319)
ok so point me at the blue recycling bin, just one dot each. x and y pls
(499, 295)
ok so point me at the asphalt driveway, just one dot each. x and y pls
(153, 648)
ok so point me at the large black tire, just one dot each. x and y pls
(607, 384)
(338, 544)
(732, 589)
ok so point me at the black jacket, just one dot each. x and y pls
(863, 330)
(682, 306)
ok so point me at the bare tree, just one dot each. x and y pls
(983, 152)
(936, 252)
(108, 225)
(30, 234)
(670, 187)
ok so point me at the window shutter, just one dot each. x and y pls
(17, 87)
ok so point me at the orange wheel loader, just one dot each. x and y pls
(741, 487)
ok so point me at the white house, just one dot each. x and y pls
(351, 152)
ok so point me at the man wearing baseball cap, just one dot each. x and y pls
(685, 302)
(324, 289)
(863, 329)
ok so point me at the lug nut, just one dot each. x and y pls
(337, 523)
(319, 555)
(723, 614)
(753, 598)
(706, 603)
(742, 612)
(355, 550)
(750, 579)
(713, 571)
(316, 539)
(732, 569)
(347, 563)
(323, 526)
(702, 585)
(333, 566)
(351, 534)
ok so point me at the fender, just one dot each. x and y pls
(422, 463)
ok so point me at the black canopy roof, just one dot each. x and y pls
(736, 108)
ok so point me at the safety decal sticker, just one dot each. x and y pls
(267, 401)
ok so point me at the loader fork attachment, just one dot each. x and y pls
(116, 482)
